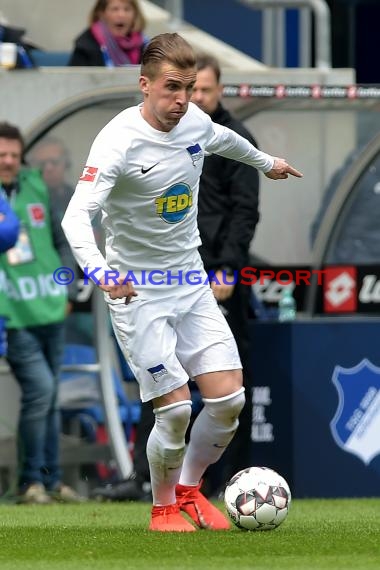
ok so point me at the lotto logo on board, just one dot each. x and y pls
(88, 174)
(340, 290)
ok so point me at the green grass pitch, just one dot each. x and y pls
(317, 534)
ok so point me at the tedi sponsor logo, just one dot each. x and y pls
(355, 426)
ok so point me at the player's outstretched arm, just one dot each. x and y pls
(281, 170)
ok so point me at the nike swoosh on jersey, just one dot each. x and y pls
(145, 170)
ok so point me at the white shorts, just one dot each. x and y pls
(169, 337)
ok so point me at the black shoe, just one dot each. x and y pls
(130, 489)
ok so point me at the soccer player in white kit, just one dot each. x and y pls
(143, 174)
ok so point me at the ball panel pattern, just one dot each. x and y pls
(257, 498)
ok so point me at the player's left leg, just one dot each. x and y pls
(211, 433)
(208, 352)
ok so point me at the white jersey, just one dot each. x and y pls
(146, 183)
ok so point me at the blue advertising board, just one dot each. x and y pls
(321, 382)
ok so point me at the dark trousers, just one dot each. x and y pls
(35, 356)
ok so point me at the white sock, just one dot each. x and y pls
(165, 450)
(211, 433)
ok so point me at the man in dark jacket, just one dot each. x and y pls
(227, 217)
(228, 212)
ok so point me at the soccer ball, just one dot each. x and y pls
(257, 498)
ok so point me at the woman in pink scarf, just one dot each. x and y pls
(115, 37)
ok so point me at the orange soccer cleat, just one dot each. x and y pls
(200, 510)
(169, 519)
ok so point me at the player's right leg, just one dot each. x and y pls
(165, 452)
(148, 342)
(209, 353)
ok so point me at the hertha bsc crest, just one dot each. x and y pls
(356, 424)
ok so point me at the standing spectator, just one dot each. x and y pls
(228, 212)
(51, 157)
(143, 173)
(115, 36)
(37, 311)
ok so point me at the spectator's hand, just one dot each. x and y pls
(119, 291)
(281, 170)
(221, 287)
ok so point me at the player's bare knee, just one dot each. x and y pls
(213, 385)
(226, 410)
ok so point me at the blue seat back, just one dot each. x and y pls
(50, 58)
(90, 401)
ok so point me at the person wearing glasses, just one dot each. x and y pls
(51, 157)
